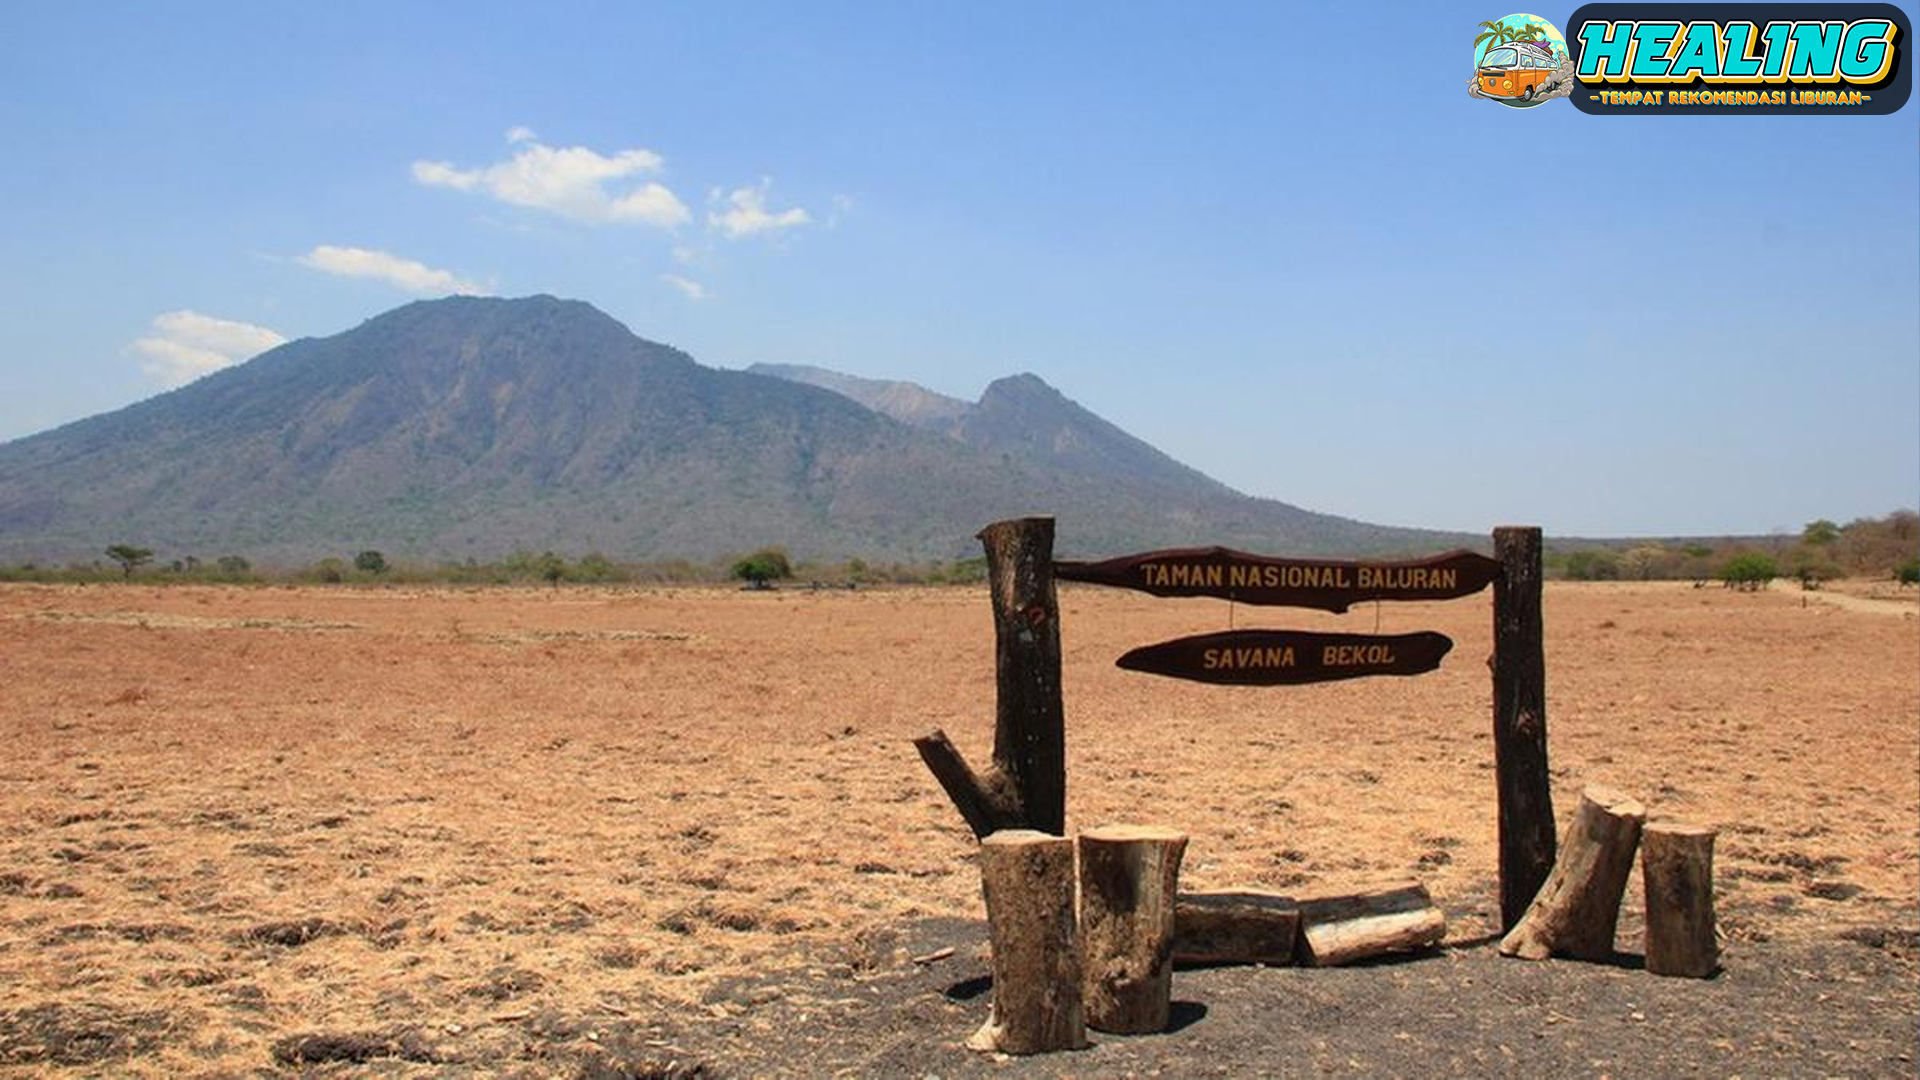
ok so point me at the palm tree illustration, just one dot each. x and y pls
(1499, 33)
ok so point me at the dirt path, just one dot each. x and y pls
(1872, 605)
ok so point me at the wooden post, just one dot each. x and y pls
(1579, 906)
(1027, 783)
(1520, 722)
(1027, 879)
(1235, 928)
(1676, 864)
(1340, 928)
(1129, 882)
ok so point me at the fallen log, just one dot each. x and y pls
(1235, 928)
(1676, 865)
(1027, 879)
(1578, 908)
(1129, 882)
(1341, 928)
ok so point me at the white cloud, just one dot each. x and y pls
(692, 289)
(384, 266)
(573, 182)
(744, 213)
(692, 254)
(184, 345)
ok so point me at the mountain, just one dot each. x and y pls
(909, 403)
(471, 426)
(1020, 417)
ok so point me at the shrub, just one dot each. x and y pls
(370, 562)
(762, 566)
(1811, 565)
(1908, 573)
(594, 566)
(1749, 570)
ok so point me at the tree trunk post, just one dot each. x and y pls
(1520, 722)
(1579, 906)
(1028, 881)
(1026, 786)
(1676, 864)
(1029, 726)
(1129, 884)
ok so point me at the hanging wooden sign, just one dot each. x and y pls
(1326, 584)
(1286, 657)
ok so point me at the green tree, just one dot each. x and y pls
(233, 566)
(1820, 533)
(370, 562)
(1749, 570)
(1811, 565)
(1908, 573)
(552, 568)
(763, 566)
(130, 558)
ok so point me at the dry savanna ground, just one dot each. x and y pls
(233, 818)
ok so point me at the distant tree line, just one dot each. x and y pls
(764, 566)
(1883, 547)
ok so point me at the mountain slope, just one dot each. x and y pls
(909, 403)
(471, 426)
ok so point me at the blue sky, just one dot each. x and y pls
(1284, 246)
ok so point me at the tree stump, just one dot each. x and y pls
(1235, 928)
(1027, 878)
(1340, 928)
(1129, 882)
(1579, 906)
(1676, 863)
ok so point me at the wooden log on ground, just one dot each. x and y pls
(1235, 928)
(1579, 906)
(1676, 865)
(1129, 884)
(1027, 878)
(1344, 927)
(1026, 786)
(1520, 722)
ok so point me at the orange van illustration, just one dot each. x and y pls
(1518, 69)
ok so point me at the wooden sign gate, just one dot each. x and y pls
(1025, 787)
